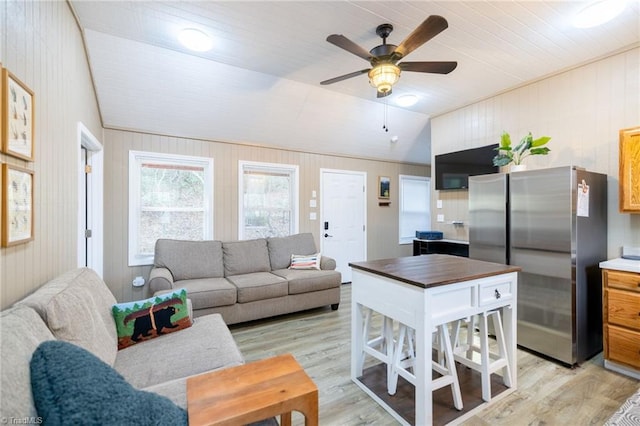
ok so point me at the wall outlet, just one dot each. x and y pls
(440, 218)
(138, 282)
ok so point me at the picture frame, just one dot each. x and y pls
(18, 117)
(384, 187)
(17, 205)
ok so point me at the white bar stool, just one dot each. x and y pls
(380, 347)
(490, 362)
(403, 360)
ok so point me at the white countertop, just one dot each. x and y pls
(620, 264)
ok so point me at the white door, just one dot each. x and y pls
(90, 201)
(343, 218)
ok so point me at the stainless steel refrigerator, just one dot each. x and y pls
(553, 224)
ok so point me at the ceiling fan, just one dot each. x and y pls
(385, 70)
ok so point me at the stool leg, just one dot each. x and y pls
(502, 347)
(471, 326)
(392, 377)
(387, 332)
(445, 341)
(484, 358)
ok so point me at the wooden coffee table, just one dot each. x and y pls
(252, 392)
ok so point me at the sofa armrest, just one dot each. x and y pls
(160, 279)
(327, 263)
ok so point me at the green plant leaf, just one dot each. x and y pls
(501, 160)
(540, 141)
(539, 151)
(505, 141)
(524, 144)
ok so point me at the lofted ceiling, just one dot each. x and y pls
(260, 82)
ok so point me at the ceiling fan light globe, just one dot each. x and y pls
(384, 76)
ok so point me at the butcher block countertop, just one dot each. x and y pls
(433, 270)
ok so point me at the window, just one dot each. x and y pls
(415, 214)
(268, 200)
(170, 196)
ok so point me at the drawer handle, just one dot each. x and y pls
(498, 295)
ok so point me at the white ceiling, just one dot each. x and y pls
(260, 82)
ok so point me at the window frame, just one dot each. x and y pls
(293, 169)
(401, 179)
(136, 159)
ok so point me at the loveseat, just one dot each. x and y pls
(77, 308)
(246, 280)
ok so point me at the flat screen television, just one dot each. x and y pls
(454, 168)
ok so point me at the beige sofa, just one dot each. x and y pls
(76, 307)
(245, 280)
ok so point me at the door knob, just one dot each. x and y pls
(327, 235)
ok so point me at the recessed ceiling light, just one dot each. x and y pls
(406, 100)
(598, 12)
(195, 40)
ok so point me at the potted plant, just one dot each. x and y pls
(526, 147)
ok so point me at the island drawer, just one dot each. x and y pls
(490, 293)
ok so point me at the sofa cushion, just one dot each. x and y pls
(21, 331)
(189, 259)
(210, 292)
(305, 281)
(259, 286)
(245, 257)
(206, 345)
(145, 319)
(76, 306)
(72, 386)
(281, 248)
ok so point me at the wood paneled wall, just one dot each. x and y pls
(42, 45)
(382, 222)
(581, 109)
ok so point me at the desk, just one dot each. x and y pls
(252, 392)
(422, 292)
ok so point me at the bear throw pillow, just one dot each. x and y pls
(145, 319)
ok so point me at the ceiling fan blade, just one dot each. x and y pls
(431, 27)
(432, 67)
(346, 44)
(384, 94)
(344, 77)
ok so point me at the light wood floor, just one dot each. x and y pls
(548, 393)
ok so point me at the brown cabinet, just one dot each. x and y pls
(629, 170)
(621, 315)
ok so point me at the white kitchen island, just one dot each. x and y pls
(423, 292)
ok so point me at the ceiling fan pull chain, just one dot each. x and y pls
(384, 125)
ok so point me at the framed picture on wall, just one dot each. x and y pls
(17, 205)
(384, 187)
(17, 117)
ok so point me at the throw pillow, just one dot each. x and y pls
(309, 261)
(145, 319)
(71, 386)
